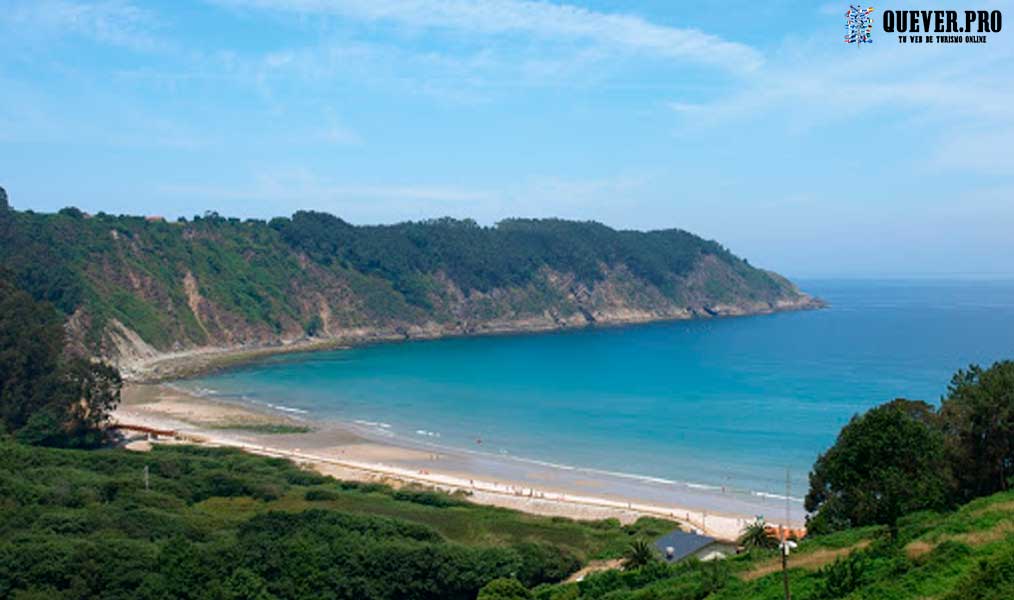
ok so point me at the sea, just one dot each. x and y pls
(736, 409)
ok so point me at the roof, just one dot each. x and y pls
(683, 544)
(779, 533)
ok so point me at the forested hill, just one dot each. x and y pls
(134, 288)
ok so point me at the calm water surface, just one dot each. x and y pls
(725, 402)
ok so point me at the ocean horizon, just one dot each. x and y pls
(697, 409)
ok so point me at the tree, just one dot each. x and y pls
(755, 536)
(44, 428)
(93, 391)
(314, 326)
(244, 584)
(844, 575)
(4, 203)
(885, 463)
(45, 397)
(638, 554)
(504, 589)
(31, 341)
(978, 420)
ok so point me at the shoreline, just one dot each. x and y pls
(345, 452)
(163, 367)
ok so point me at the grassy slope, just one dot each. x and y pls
(965, 554)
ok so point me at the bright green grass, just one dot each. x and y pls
(968, 553)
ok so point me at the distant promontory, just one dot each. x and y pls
(137, 289)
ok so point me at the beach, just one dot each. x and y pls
(357, 452)
(697, 420)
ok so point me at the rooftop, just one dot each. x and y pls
(683, 544)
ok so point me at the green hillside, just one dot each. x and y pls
(224, 524)
(134, 287)
(181, 522)
(967, 554)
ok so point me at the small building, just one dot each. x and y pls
(782, 534)
(679, 545)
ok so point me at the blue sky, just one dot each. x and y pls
(747, 122)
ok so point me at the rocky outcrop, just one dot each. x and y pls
(562, 303)
(139, 291)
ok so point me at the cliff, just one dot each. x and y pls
(135, 290)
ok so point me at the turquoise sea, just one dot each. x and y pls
(723, 406)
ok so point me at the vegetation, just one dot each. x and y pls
(639, 554)
(978, 418)
(223, 524)
(504, 589)
(47, 397)
(884, 522)
(218, 280)
(183, 522)
(886, 463)
(508, 255)
(905, 456)
(968, 553)
(220, 524)
(755, 537)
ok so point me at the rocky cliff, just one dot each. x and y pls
(135, 290)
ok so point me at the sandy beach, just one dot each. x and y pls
(343, 452)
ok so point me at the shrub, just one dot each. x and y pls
(437, 499)
(504, 589)
(320, 495)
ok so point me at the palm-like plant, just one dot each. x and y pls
(755, 535)
(639, 554)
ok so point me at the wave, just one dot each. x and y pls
(659, 480)
(704, 486)
(775, 496)
(200, 392)
(206, 392)
(387, 430)
(289, 409)
(378, 424)
(504, 454)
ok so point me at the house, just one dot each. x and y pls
(782, 534)
(678, 545)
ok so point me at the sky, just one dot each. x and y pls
(751, 123)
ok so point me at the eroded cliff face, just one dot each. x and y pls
(553, 301)
(136, 291)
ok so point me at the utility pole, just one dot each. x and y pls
(146, 488)
(785, 562)
(783, 533)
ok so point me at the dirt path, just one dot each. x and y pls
(972, 538)
(810, 561)
(594, 567)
